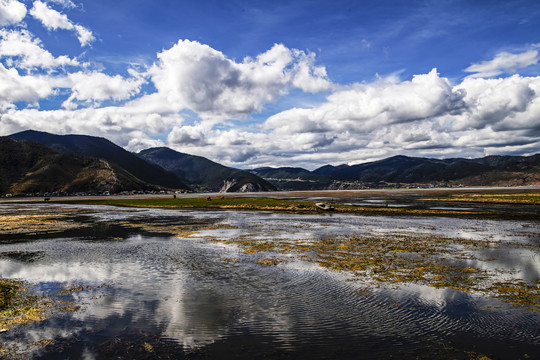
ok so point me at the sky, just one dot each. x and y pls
(251, 83)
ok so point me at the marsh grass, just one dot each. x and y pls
(436, 261)
(234, 203)
(518, 198)
(20, 305)
(292, 206)
(35, 223)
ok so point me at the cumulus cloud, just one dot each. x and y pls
(502, 102)
(26, 52)
(230, 146)
(187, 135)
(50, 18)
(95, 87)
(367, 107)
(309, 77)
(503, 62)
(197, 77)
(11, 12)
(15, 88)
(84, 35)
(425, 116)
(53, 20)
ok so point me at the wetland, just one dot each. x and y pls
(429, 276)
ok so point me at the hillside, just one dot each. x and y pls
(29, 167)
(117, 157)
(205, 174)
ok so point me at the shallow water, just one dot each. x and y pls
(152, 294)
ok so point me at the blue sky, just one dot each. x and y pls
(258, 83)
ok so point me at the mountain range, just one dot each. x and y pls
(34, 162)
(399, 171)
(94, 165)
(486, 171)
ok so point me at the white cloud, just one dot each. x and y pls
(96, 87)
(27, 52)
(11, 12)
(187, 136)
(504, 62)
(53, 20)
(84, 35)
(309, 77)
(125, 125)
(426, 116)
(497, 102)
(68, 4)
(195, 76)
(15, 88)
(50, 18)
(366, 107)
(423, 116)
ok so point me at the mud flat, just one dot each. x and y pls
(179, 282)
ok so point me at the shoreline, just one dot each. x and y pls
(338, 194)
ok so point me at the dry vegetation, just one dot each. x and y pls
(518, 198)
(261, 203)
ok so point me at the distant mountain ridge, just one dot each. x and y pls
(34, 162)
(406, 171)
(152, 169)
(205, 174)
(403, 169)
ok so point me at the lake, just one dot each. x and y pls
(193, 284)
